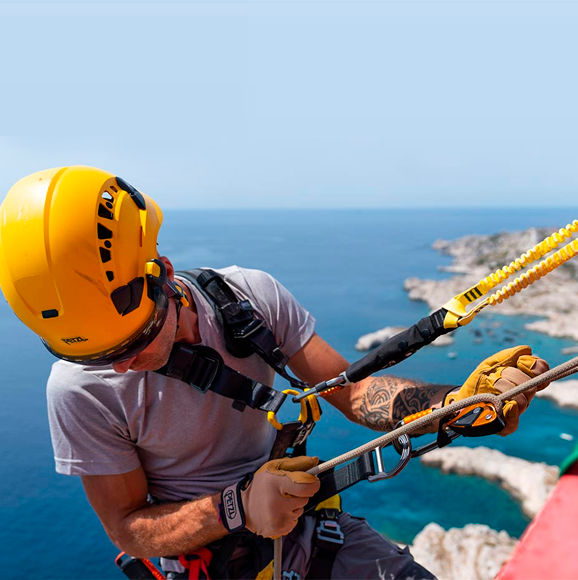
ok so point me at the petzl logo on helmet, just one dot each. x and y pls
(74, 340)
(230, 505)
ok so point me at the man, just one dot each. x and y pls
(170, 469)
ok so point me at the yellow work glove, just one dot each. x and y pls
(500, 373)
(272, 501)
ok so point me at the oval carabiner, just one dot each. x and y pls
(404, 443)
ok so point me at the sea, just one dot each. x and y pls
(347, 267)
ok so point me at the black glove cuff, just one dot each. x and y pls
(231, 510)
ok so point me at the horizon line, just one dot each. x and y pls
(373, 208)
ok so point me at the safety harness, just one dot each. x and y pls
(203, 368)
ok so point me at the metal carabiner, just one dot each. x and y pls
(404, 443)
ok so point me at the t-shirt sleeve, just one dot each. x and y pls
(88, 437)
(289, 321)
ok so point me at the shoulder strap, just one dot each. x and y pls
(245, 334)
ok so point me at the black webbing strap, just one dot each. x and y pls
(244, 333)
(336, 480)
(327, 541)
(202, 368)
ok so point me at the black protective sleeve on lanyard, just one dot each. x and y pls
(400, 346)
(338, 479)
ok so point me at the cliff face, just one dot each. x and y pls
(474, 552)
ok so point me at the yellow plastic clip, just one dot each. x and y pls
(182, 296)
(309, 407)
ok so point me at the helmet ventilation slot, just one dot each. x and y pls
(106, 196)
(50, 313)
(110, 275)
(104, 255)
(103, 232)
(105, 213)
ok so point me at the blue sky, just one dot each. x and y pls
(298, 104)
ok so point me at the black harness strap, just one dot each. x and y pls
(327, 542)
(336, 480)
(203, 368)
(244, 333)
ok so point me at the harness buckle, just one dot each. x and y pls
(292, 575)
(330, 531)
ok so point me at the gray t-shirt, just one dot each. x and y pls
(188, 443)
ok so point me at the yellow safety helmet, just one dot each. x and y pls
(78, 263)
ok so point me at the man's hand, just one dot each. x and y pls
(274, 499)
(500, 373)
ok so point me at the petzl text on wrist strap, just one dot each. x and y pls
(231, 509)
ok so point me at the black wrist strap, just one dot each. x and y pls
(231, 509)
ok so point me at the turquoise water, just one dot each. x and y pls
(348, 269)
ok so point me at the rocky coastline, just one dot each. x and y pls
(474, 552)
(477, 552)
(528, 482)
(563, 393)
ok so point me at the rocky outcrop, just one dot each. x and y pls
(475, 257)
(474, 552)
(563, 393)
(528, 482)
(373, 339)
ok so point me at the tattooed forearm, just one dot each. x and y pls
(383, 401)
(376, 404)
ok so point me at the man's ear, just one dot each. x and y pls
(169, 266)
